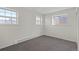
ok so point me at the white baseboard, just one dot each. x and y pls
(62, 38)
(27, 38)
(20, 40)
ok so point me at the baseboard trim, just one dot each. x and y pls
(61, 38)
(21, 40)
(29, 38)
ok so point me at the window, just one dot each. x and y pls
(7, 16)
(59, 20)
(53, 21)
(38, 20)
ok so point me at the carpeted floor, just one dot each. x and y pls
(43, 43)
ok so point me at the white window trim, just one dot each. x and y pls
(54, 22)
(40, 20)
(10, 17)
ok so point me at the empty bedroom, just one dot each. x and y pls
(39, 28)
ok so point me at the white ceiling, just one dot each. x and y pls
(45, 10)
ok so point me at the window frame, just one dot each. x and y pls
(58, 21)
(11, 10)
(40, 21)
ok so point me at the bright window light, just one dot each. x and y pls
(38, 20)
(7, 16)
(53, 21)
(59, 19)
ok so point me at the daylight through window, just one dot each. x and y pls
(7, 16)
(38, 20)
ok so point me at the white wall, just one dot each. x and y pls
(78, 27)
(26, 28)
(68, 31)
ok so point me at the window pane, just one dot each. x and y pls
(53, 21)
(13, 14)
(13, 20)
(2, 10)
(7, 11)
(8, 20)
(57, 21)
(2, 13)
(38, 20)
(2, 20)
(8, 14)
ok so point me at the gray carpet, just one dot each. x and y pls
(43, 43)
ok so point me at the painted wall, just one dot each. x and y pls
(78, 27)
(68, 31)
(26, 28)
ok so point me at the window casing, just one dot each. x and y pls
(7, 16)
(38, 20)
(59, 19)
